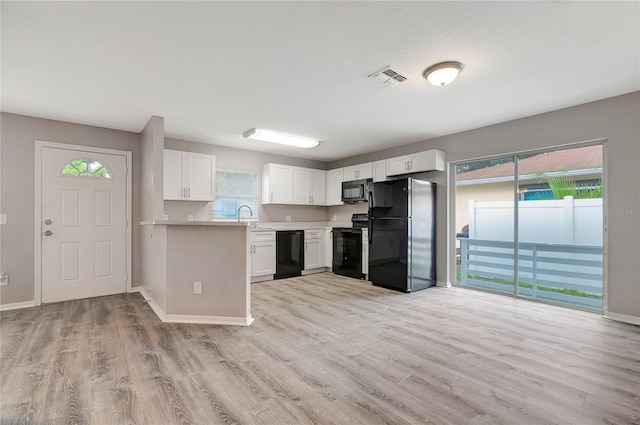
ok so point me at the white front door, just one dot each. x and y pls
(84, 219)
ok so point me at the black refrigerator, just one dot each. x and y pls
(402, 232)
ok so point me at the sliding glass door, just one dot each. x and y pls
(559, 221)
(485, 224)
(535, 219)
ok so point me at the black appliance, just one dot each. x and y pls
(289, 253)
(355, 191)
(347, 247)
(402, 234)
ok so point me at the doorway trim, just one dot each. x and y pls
(451, 215)
(37, 208)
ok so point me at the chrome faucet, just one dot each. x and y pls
(242, 206)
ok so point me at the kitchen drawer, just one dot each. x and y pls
(260, 236)
(313, 234)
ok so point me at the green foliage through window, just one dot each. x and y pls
(234, 189)
(85, 168)
(562, 186)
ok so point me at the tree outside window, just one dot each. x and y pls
(234, 189)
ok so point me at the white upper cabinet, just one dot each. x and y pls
(317, 189)
(379, 170)
(431, 160)
(201, 177)
(301, 178)
(286, 184)
(277, 184)
(189, 176)
(174, 171)
(358, 172)
(334, 186)
(398, 165)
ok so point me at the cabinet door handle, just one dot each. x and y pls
(189, 193)
(271, 197)
(410, 164)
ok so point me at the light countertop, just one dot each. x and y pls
(197, 223)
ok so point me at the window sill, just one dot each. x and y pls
(227, 220)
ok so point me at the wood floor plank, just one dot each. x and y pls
(324, 349)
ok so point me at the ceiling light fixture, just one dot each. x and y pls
(443, 73)
(283, 139)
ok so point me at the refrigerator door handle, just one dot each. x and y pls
(370, 217)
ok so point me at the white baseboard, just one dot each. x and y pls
(154, 306)
(208, 320)
(256, 279)
(634, 320)
(16, 306)
(189, 318)
(443, 284)
(314, 271)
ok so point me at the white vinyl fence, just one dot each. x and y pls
(559, 250)
(566, 221)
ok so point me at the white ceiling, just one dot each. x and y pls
(214, 70)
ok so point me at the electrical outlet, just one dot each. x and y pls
(189, 218)
(197, 288)
(287, 218)
(3, 219)
(4, 279)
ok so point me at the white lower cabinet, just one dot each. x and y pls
(263, 253)
(313, 249)
(328, 248)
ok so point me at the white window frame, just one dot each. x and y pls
(257, 196)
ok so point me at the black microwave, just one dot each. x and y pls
(355, 191)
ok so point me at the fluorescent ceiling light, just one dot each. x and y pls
(443, 73)
(283, 139)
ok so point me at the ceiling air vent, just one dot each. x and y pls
(389, 76)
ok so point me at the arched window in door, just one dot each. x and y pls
(85, 168)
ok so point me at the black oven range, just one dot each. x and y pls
(347, 247)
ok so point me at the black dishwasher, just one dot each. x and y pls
(289, 253)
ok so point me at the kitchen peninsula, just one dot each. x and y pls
(198, 256)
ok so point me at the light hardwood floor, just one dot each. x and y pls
(323, 350)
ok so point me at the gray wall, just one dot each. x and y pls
(215, 256)
(244, 160)
(615, 119)
(153, 276)
(19, 134)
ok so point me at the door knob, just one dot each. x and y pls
(48, 222)
(48, 233)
